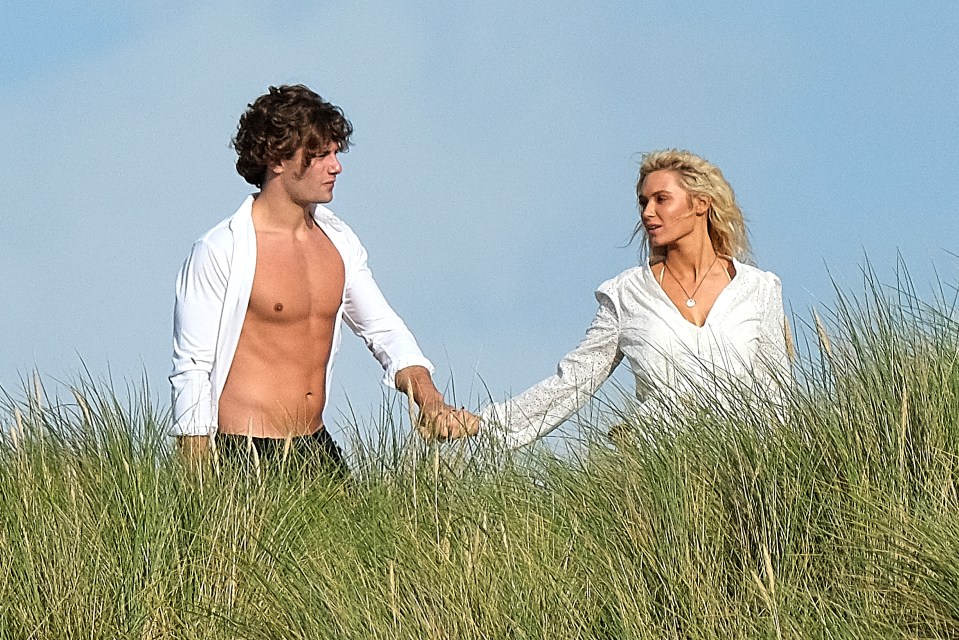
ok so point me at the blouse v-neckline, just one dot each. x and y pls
(672, 305)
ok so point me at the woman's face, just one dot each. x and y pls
(667, 211)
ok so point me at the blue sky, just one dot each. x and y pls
(495, 153)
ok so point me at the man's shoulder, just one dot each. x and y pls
(218, 234)
(330, 222)
(221, 235)
(325, 216)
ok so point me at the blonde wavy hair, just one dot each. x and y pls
(700, 178)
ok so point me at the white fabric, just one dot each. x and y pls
(213, 293)
(742, 340)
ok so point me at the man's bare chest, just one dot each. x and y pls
(296, 279)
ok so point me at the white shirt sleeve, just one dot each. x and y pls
(546, 405)
(200, 291)
(370, 316)
(773, 371)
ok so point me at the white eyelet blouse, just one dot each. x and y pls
(743, 340)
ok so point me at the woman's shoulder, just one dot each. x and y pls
(755, 274)
(614, 285)
(617, 282)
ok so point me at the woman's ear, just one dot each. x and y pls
(702, 204)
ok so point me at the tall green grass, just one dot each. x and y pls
(838, 518)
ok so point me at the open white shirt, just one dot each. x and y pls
(213, 293)
(742, 340)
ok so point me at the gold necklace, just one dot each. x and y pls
(690, 303)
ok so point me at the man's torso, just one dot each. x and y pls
(277, 381)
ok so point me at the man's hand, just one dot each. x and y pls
(437, 419)
(193, 450)
(443, 421)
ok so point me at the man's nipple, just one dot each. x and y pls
(278, 307)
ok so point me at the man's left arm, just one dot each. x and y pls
(437, 419)
(370, 316)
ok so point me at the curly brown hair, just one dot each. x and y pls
(281, 122)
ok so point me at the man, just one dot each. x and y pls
(260, 298)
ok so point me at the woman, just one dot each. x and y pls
(695, 318)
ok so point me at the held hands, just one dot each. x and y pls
(440, 421)
(436, 418)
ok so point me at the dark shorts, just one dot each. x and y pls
(314, 455)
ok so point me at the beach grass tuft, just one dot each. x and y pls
(835, 515)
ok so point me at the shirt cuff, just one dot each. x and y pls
(495, 427)
(389, 379)
(185, 428)
(491, 418)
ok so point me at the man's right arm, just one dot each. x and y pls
(200, 292)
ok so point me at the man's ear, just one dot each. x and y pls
(275, 168)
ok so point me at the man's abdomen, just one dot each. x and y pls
(277, 382)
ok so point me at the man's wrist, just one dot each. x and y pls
(416, 382)
(429, 400)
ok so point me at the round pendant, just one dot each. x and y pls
(690, 303)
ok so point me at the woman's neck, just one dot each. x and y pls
(690, 257)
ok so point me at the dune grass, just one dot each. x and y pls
(837, 519)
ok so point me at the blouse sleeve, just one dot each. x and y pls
(773, 371)
(546, 405)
